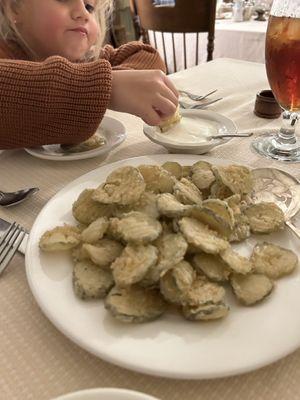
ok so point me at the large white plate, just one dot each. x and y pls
(106, 394)
(249, 338)
(209, 121)
(113, 131)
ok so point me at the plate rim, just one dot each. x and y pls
(119, 361)
(104, 391)
(33, 151)
(148, 132)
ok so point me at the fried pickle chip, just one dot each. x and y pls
(60, 238)
(171, 121)
(214, 221)
(202, 175)
(205, 312)
(265, 217)
(135, 304)
(135, 227)
(219, 191)
(85, 210)
(103, 253)
(236, 262)
(211, 266)
(186, 192)
(169, 206)
(133, 263)
(95, 231)
(177, 281)
(237, 178)
(201, 237)
(90, 281)
(158, 179)
(203, 292)
(174, 168)
(251, 289)
(273, 261)
(123, 186)
(91, 143)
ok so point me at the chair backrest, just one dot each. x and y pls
(187, 16)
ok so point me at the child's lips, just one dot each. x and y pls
(81, 30)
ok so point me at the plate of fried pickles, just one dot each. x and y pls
(166, 265)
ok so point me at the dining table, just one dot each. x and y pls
(37, 361)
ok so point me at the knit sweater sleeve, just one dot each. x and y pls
(53, 101)
(133, 55)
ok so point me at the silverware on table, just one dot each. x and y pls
(281, 188)
(196, 97)
(4, 227)
(10, 241)
(225, 135)
(8, 199)
(197, 106)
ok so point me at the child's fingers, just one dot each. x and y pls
(165, 107)
(152, 117)
(169, 95)
(171, 86)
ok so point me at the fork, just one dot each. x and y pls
(9, 244)
(187, 106)
(196, 97)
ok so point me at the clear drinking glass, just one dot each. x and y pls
(283, 71)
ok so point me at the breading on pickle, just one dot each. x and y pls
(219, 191)
(104, 252)
(272, 260)
(201, 237)
(123, 186)
(202, 175)
(236, 262)
(90, 281)
(64, 237)
(265, 217)
(205, 312)
(203, 292)
(237, 178)
(212, 266)
(177, 281)
(186, 192)
(135, 227)
(135, 304)
(174, 168)
(95, 231)
(157, 179)
(250, 289)
(169, 206)
(85, 210)
(133, 263)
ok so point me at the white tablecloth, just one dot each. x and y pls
(239, 40)
(37, 361)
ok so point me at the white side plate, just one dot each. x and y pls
(106, 394)
(113, 132)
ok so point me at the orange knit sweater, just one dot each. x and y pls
(56, 101)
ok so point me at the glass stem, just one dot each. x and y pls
(286, 134)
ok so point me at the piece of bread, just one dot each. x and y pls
(168, 123)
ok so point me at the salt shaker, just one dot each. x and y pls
(238, 10)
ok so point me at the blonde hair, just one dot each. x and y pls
(10, 33)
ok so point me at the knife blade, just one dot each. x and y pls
(4, 225)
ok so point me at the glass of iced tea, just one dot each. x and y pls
(283, 71)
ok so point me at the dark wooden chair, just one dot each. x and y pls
(187, 16)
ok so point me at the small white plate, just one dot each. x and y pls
(210, 122)
(112, 130)
(106, 394)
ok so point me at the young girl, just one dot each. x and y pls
(56, 82)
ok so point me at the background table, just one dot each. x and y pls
(238, 40)
(37, 362)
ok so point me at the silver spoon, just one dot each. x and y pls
(274, 185)
(11, 198)
(225, 135)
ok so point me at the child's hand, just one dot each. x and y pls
(148, 94)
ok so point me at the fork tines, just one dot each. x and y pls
(9, 244)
